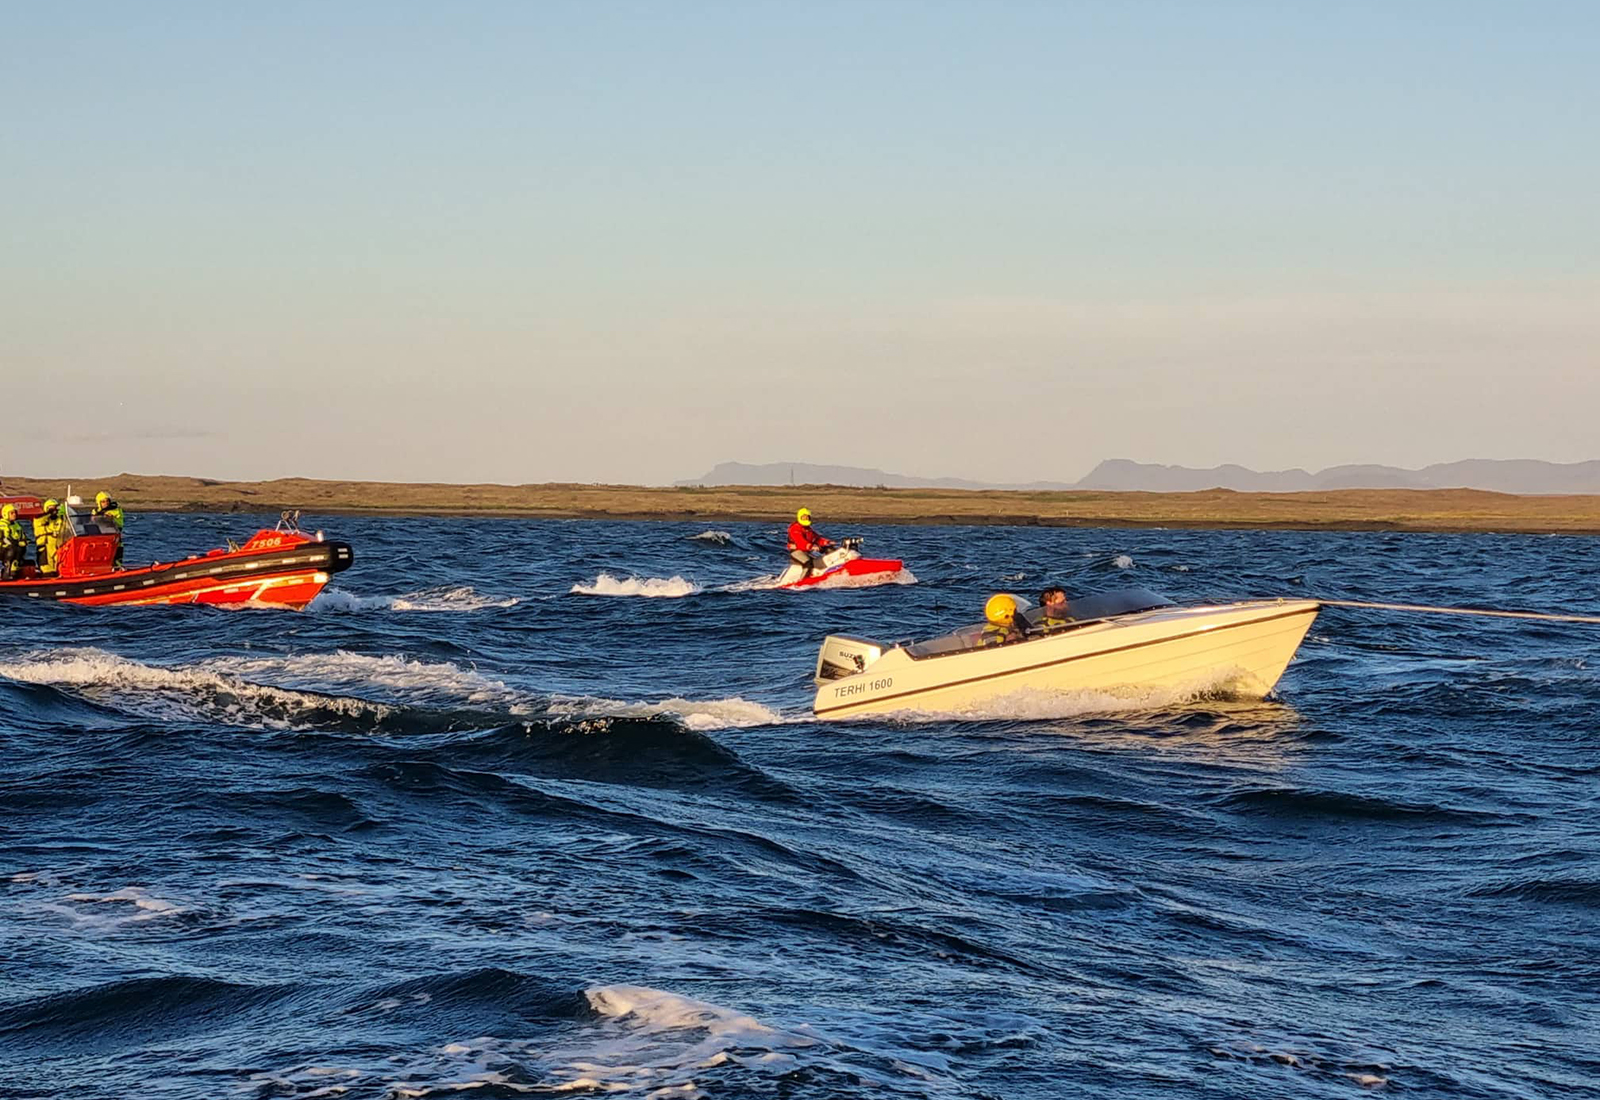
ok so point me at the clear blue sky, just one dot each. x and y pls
(623, 241)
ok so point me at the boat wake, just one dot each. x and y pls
(443, 598)
(731, 713)
(343, 692)
(605, 584)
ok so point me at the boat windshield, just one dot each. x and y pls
(86, 523)
(1084, 609)
(1103, 605)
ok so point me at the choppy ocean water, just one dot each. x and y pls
(525, 808)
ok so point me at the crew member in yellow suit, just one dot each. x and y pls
(13, 547)
(47, 531)
(109, 509)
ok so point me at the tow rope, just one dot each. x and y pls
(1545, 616)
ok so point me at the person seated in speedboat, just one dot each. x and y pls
(106, 508)
(1053, 614)
(13, 548)
(1003, 625)
(805, 541)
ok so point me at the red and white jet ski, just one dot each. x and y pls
(279, 567)
(844, 560)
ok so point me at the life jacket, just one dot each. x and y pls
(11, 534)
(804, 538)
(998, 635)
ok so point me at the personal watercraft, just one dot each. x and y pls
(1125, 640)
(844, 560)
(279, 566)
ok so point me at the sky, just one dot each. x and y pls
(622, 242)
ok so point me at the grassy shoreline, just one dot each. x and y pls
(1423, 510)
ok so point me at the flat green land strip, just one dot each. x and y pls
(1350, 509)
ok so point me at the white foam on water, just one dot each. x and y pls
(605, 584)
(342, 670)
(107, 913)
(1122, 561)
(642, 1042)
(754, 584)
(710, 714)
(178, 692)
(444, 598)
(719, 538)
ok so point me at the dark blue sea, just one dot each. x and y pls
(529, 808)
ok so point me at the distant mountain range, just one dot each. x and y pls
(1122, 475)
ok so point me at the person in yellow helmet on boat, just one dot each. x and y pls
(47, 531)
(108, 509)
(13, 547)
(1002, 622)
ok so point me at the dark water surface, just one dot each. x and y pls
(461, 831)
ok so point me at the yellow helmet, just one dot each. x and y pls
(51, 505)
(1001, 609)
(803, 517)
(8, 512)
(102, 498)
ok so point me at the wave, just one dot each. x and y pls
(709, 714)
(443, 598)
(1558, 891)
(1298, 802)
(652, 587)
(715, 538)
(133, 1010)
(404, 676)
(644, 752)
(185, 693)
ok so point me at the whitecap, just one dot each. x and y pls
(343, 670)
(711, 714)
(718, 538)
(653, 587)
(180, 692)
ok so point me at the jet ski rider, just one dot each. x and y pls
(805, 541)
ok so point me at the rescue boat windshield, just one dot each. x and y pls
(82, 522)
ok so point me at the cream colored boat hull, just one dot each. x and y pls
(1242, 648)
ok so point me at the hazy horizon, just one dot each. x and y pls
(622, 242)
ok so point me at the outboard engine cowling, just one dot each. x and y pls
(842, 655)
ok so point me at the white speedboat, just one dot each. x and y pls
(1130, 640)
